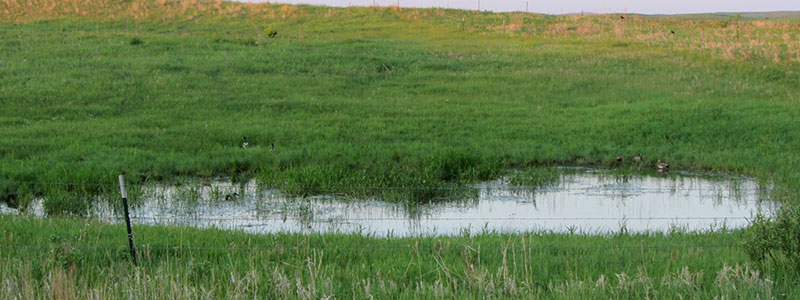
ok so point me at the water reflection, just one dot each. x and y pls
(585, 200)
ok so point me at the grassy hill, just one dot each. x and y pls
(783, 16)
(747, 16)
(361, 97)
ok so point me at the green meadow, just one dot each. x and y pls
(379, 102)
(366, 97)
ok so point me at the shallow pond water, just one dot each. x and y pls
(583, 200)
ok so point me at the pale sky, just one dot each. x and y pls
(571, 6)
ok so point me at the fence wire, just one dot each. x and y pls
(276, 217)
(341, 188)
(458, 248)
(193, 218)
(175, 218)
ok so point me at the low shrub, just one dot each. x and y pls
(775, 241)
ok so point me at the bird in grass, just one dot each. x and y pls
(244, 142)
(272, 147)
(230, 197)
(619, 158)
(662, 166)
(672, 31)
(638, 160)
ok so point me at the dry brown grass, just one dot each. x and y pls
(30, 10)
(62, 284)
(768, 40)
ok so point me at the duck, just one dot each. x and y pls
(662, 166)
(244, 142)
(230, 197)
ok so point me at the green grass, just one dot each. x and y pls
(74, 258)
(374, 98)
(365, 98)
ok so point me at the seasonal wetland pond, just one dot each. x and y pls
(578, 200)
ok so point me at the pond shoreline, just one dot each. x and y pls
(576, 199)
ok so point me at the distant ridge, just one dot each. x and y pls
(719, 15)
(583, 13)
(762, 15)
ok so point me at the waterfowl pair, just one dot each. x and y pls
(662, 166)
(245, 144)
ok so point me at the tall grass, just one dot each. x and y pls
(79, 259)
